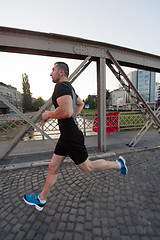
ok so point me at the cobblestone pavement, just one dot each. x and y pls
(89, 207)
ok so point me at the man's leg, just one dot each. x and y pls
(97, 165)
(102, 165)
(54, 166)
(39, 200)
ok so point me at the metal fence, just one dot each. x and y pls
(10, 124)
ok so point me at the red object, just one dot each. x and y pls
(111, 122)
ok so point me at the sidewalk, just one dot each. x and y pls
(31, 151)
(97, 206)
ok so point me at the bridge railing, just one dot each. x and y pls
(10, 124)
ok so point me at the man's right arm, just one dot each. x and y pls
(64, 109)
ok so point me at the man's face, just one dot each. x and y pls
(55, 74)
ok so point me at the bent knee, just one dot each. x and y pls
(86, 168)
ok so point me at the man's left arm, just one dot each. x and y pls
(80, 105)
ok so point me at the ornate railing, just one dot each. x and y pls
(10, 124)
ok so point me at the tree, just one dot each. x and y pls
(107, 94)
(37, 103)
(91, 100)
(27, 96)
(107, 97)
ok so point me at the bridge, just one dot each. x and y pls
(104, 54)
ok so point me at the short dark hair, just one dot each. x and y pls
(64, 66)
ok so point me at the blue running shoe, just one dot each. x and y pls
(33, 200)
(122, 165)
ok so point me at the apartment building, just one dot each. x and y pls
(12, 95)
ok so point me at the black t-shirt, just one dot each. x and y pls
(69, 126)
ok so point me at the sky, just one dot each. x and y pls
(126, 23)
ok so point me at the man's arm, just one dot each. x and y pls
(64, 109)
(80, 105)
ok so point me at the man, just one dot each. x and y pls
(71, 142)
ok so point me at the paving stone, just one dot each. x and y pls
(70, 227)
(79, 227)
(30, 234)
(78, 236)
(97, 231)
(49, 236)
(16, 228)
(20, 235)
(3, 223)
(9, 236)
(68, 235)
(141, 230)
(115, 233)
(38, 236)
(26, 227)
(132, 230)
(59, 235)
(43, 228)
(36, 225)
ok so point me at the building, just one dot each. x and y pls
(12, 95)
(118, 97)
(145, 82)
(157, 101)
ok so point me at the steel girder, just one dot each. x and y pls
(55, 45)
(49, 44)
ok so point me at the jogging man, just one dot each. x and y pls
(71, 142)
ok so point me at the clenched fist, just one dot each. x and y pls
(45, 116)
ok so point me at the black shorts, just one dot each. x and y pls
(74, 148)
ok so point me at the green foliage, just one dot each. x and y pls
(30, 104)
(107, 94)
(27, 97)
(91, 100)
(37, 103)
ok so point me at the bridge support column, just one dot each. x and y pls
(101, 103)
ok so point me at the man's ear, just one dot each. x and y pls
(61, 72)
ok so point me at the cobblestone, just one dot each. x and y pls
(103, 205)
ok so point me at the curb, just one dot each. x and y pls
(17, 166)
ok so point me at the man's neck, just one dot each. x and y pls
(63, 79)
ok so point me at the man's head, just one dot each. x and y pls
(63, 66)
(59, 72)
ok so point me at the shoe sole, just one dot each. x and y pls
(124, 161)
(33, 204)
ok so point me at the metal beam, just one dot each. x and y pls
(101, 103)
(25, 118)
(144, 129)
(49, 44)
(11, 145)
(79, 69)
(139, 99)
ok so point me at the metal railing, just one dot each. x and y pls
(131, 121)
(10, 124)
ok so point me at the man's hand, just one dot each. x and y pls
(45, 116)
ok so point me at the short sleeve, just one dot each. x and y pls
(62, 89)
